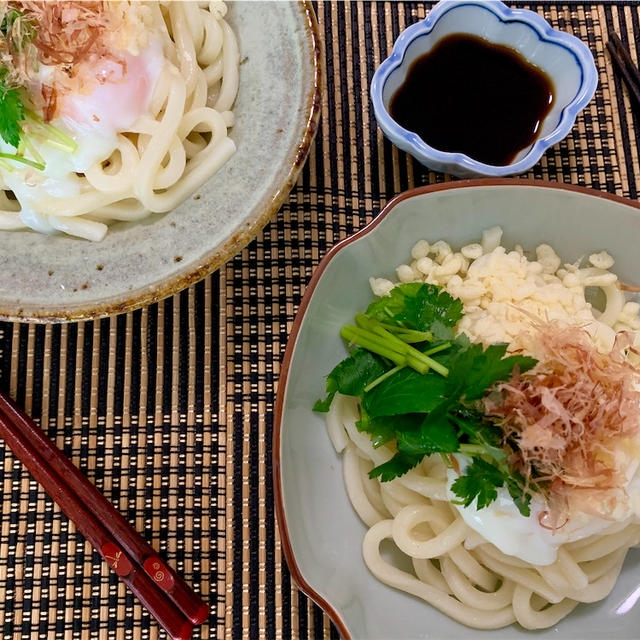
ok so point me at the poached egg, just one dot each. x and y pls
(523, 537)
(119, 94)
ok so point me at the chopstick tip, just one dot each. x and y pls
(184, 632)
(201, 614)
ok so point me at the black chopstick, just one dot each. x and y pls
(176, 607)
(625, 65)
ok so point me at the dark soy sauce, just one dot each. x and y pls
(468, 95)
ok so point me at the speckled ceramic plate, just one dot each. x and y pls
(320, 532)
(50, 278)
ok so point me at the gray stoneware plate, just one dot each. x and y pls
(321, 534)
(49, 278)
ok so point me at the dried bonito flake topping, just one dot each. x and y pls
(68, 32)
(575, 414)
(56, 48)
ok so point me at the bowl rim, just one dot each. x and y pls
(276, 441)
(412, 143)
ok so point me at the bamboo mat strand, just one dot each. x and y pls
(169, 409)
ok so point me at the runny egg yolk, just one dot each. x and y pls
(121, 92)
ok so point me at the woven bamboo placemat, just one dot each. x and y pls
(169, 409)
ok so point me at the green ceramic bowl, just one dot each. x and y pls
(321, 534)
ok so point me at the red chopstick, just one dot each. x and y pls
(165, 594)
(142, 552)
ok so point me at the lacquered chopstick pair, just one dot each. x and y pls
(625, 66)
(167, 597)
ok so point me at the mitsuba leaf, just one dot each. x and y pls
(397, 466)
(11, 115)
(417, 306)
(21, 33)
(387, 307)
(479, 430)
(521, 498)
(474, 370)
(351, 376)
(354, 373)
(480, 481)
(430, 304)
(435, 434)
(458, 345)
(474, 424)
(441, 333)
(7, 21)
(406, 391)
(384, 428)
(323, 406)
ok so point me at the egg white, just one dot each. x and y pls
(523, 537)
(92, 120)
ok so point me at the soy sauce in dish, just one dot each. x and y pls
(471, 96)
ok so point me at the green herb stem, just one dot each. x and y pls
(23, 160)
(435, 365)
(415, 359)
(388, 374)
(382, 378)
(370, 341)
(441, 347)
(472, 449)
(33, 151)
(407, 335)
(51, 134)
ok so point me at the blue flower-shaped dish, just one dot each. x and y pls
(565, 59)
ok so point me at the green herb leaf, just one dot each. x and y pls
(7, 21)
(384, 429)
(17, 28)
(435, 435)
(323, 406)
(474, 370)
(351, 376)
(407, 391)
(394, 468)
(430, 304)
(442, 333)
(521, 498)
(480, 431)
(11, 115)
(417, 306)
(387, 307)
(480, 481)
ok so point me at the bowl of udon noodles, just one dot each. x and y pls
(457, 427)
(142, 144)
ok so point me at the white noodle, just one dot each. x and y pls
(455, 569)
(506, 589)
(168, 154)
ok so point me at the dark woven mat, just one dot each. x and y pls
(169, 409)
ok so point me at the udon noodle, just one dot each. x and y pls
(167, 153)
(454, 567)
